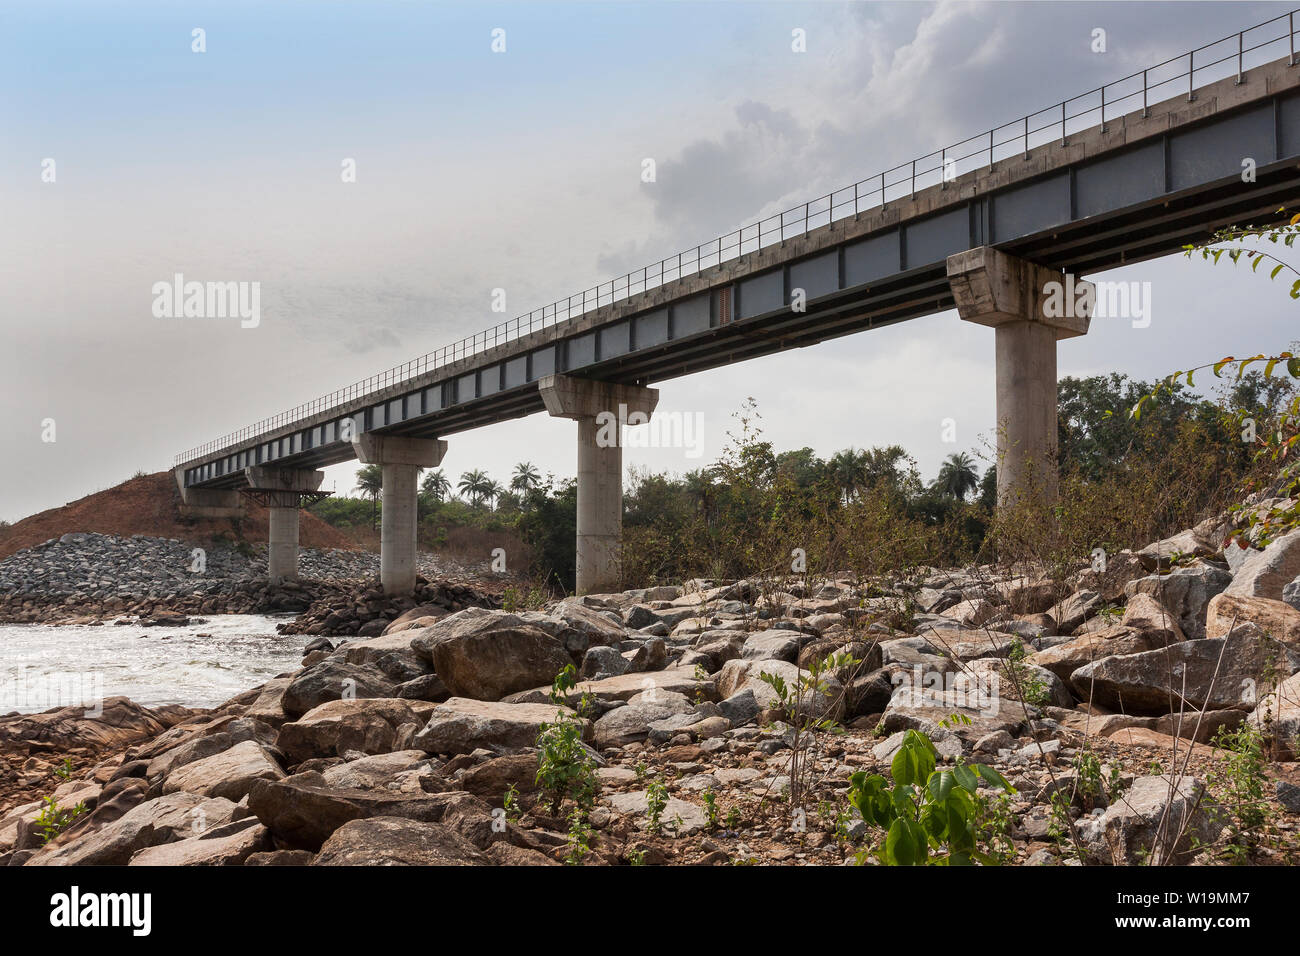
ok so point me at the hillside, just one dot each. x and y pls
(149, 505)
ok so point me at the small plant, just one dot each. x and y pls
(65, 769)
(929, 816)
(656, 801)
(579, 842)
(53, 819)
(733, 819)
(805, 706)
(1241, 780)
(1033, 688)
(562, 683)
(711, 808)
(510, 802)
(636, 857)
(564, 767)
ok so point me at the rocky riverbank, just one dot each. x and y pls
(86, 578)
(695, 727)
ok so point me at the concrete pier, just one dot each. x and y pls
(601, 409)
(401, 460)
(282, 489)
(1029, 307)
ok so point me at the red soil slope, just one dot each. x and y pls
(149, 505)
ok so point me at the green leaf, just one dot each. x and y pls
(941, 784)
(1276, 269)
(900, 845)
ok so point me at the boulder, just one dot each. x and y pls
(390, 841)
(1064, 659)
(741, 675)
(422, 615)
(116, 724)
(375, 771)
(167, 818)
(229, 845)
(334, 680)
(631, 722)
(462, 725)
(368, 725)
(489, 654)
(1160, 681)
(302, 811)
(269, 705)
(602, 661)
(1158, 554)
(1158, 821)
(228, 774)
(1074, 610)
(1265, 573)
(1185, 592)
(1278, 716)
(1275, 618)
(1146, 614)
(679, 680)
(773, 645)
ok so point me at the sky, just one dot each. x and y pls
(520, 170)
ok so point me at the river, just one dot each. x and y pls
(198, 665)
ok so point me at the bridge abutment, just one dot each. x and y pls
(601, 409)
(1030, 307)
(207, 502)
(401, 460)
(282, 489)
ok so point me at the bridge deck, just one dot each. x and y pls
(1141, 185)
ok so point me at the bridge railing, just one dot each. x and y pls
(1180, 75)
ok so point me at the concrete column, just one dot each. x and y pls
(601, 409)
(401, 460)
(1030, 307)
(282, 543)
(282, 489)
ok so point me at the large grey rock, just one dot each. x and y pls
(334, 680)
(175, 816)
(228, 774)
(302, 811)
(1278, 715)
(228, 845)
(778, 645)
(1186, 591)
(462, 725)
(389, 841)
(367, 725)
(602, 661)
(489, 654)
(1266, 573)
(740, 675)
(631, 722)
(1213, 674)
(1157, 820)
(1064, 659)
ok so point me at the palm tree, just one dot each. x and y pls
(474, 484)
(525, 479)
(436, 485)
(491, 492)
(957, 477)
(370, 482)
(850, 469)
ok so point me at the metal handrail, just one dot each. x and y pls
(777, 228)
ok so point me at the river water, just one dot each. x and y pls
(198, 665)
